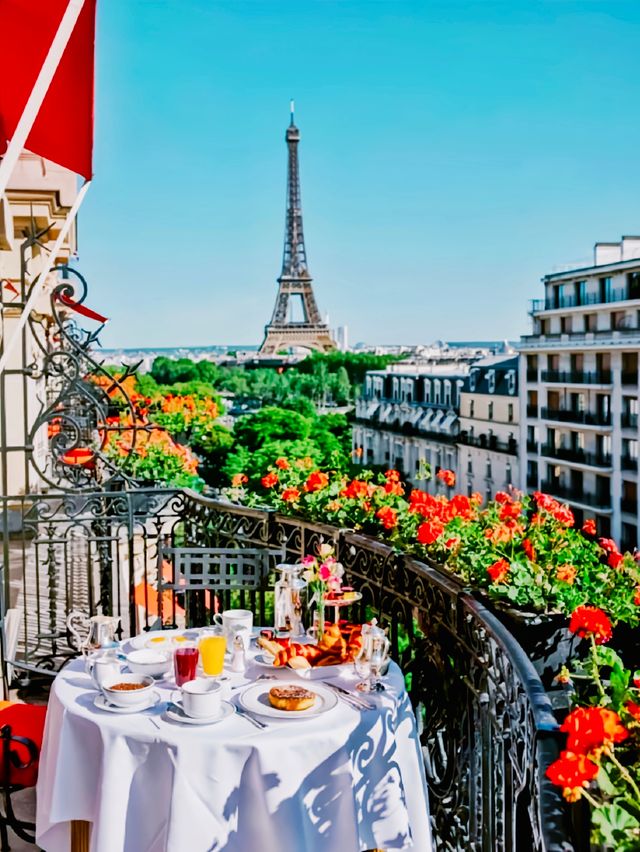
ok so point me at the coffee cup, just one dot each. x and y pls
(201, 698)
(235, 621)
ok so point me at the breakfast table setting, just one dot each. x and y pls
(230, 738)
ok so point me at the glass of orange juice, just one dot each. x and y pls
(212, 646)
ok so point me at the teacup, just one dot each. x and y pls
(200, 698)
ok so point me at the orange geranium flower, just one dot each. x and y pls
(567, 573)
(388, 517)
(239, 479)
(316, 481)
(291, 495)
(447, 476)
(269, 480)
(282, 463)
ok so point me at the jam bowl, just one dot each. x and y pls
(128, 690)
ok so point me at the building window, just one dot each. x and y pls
(427, 390)
(565, 325)
(490, 414)
(511, 382)
(470, 466)
(510, 412)
(590, 323)
(472, 380)
(491, 381)
(489, 472)
(472, 407)
(488, 494)
(447, 393)
(581, 288)
(436, 391)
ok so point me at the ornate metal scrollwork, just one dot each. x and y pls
(83, 406)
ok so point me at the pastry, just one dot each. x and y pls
(291, 697)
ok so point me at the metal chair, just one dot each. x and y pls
(199, 580)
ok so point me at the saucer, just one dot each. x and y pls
(102, 704)
(177, 714)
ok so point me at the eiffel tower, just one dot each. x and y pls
(294, 282)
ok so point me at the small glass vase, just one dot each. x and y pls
(320, 619)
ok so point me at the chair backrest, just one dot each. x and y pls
(216, 568)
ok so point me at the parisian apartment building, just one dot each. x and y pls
(579, 390)
(407, 417)
(488, 440)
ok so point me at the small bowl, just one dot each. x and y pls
(128, 697)
(149, 661)
(159, 643)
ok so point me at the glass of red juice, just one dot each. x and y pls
(185, 661)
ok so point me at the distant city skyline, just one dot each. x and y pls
(450, 157)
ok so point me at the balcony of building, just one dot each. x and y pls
(629, 420)
(570, 415)
(629, 505)
(577, 456)
(629, 462)
(585, 300)
(599, 501)
(489, 442)
(577, 377)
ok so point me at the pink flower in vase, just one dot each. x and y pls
(325, 571)
(308, 560)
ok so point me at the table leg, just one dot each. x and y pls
(80, 831)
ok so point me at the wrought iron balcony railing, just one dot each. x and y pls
(489, 442)
(577, 377)
(571, 415)
(577, 455)
(574, 495)
(629, 420)
(486, 726)
(586, 300)
(629, 462)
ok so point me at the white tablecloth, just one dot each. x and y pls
(343, 782)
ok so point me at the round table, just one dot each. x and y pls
(346, 781)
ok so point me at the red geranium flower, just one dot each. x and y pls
(529, 549)
(510, 510)
(633, 709)
(448, 477)
(388, 517)
(269, 480)
(392, 476)
(636, 597)
(239, 479)
(592, 729)
(615, 560)
(282, 463)
(290, 495)
(429, 531)
(608, 545)
(502, 497)
(589, 621)
(499, 571)
(572, 772)
(316, 481)
(589, 527)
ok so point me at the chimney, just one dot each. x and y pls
(607, 253)
(630, 248)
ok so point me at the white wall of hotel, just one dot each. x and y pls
(579, 389)
(39, 194)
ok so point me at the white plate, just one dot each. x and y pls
(255, 699)
(265, 660)
(102, 704)
(178, 715)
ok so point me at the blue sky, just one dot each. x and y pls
(452, 153)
